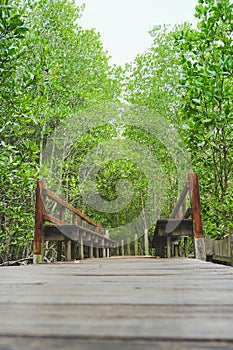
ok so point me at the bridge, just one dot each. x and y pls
(78, 236)
(112, 301)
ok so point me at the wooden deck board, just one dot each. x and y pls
(138, 303)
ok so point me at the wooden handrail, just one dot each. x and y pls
(59, 200)
(41, 216)
(52, 219)
(180, 201)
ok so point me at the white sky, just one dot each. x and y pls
(124, 24)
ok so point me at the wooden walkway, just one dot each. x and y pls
(116, 303)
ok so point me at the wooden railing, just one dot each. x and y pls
(77, 228)
(169, 231)
(220, 250)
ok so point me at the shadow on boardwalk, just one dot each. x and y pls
(140, 303)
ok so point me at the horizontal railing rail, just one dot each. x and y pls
(64, 227)
(68, 206)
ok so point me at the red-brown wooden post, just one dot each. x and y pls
(199, 241)
(39, 220)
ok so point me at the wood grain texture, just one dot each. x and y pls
(117, 303)
(195, 205)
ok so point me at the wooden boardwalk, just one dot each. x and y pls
(131, 303)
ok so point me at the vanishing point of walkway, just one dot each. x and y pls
(131, 303)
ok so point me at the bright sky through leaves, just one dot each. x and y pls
(124, 24)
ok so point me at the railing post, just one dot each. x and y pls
(103, 253)
(39, 222)
(136, 244)
(97, 253)
(186, 252)
(122, 248)
(67, 243)
(146, 241)
(199, 241)
(169, 247)
(68, 250)
(108, 249)
(59, 250)
(81, 248)
(91, 250)
(128, 246)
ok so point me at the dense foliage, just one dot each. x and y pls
(187, 76)
(206, 112)
(49, 68)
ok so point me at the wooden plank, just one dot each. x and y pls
(117, 303)
(82, 343)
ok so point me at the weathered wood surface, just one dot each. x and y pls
(124, 303)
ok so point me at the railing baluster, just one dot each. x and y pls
(74, 218)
